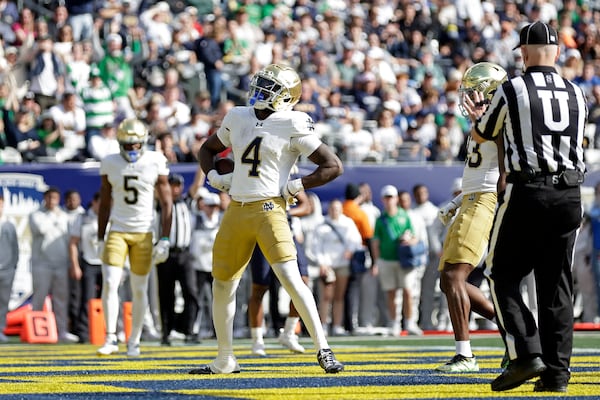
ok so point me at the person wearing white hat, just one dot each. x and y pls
(393, 226)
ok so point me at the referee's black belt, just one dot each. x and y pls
(564, 179)
(177, 250)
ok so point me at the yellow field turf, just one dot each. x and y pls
(376, 368)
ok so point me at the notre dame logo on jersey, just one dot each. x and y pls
(268, 206)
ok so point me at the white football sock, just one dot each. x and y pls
(289, 276)
(257, 334)
(139, 294)
(223, 308)
(111, 279)
(290, 325)
(464, 347)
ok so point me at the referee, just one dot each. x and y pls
(540, 117)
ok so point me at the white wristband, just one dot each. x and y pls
(295, 186)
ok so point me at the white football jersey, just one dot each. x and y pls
(481, 167)
(265, 150)
(133, 189)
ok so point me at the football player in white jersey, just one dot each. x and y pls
(468, 236)
(267, 138)
(129, 180)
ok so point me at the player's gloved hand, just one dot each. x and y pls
(447, 211)
(160, 252)
(100, 248)
(290, 190)
(218, 181)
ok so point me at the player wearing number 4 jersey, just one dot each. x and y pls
(129, 181)
(266, 139)
(467, 238)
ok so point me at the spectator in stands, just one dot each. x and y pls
(336, 114)
(309, 102)
(16, 71)
(387, 137)
(104, 143)
(429, 66)
(98, 105)
(51, 134)
(348, 68)
(156, 21)
(210, 55)
(63, 43)
(24, 28)
(324, 77)
(81, 18)
(174, 112)
(8, 12)
(31, 106)
(152, 121)
(356, 141)
(70, 119)
(47, 74)
(588, 80)
(117, 74)
(191, 135)
(165, 143)
(19, 128)
(58, 19)
(78, 69)
(140, 97)
(151, 69)
(441, 147)
(368, 94)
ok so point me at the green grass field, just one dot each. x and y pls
(376, 368)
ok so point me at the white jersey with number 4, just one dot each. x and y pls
(265, 150)
(481, 167)
(133, 189)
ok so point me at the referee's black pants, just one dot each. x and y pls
(535, 229)
(177, 269)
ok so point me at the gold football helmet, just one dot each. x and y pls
(132, 131)
(275, 87)
(484, 77)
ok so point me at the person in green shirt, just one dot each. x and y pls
(391, 228)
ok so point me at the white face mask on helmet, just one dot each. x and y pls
(132, 131)
(275, 87)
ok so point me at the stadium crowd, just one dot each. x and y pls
(380, 79)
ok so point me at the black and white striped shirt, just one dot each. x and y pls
(543, 117)
(181, 226)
